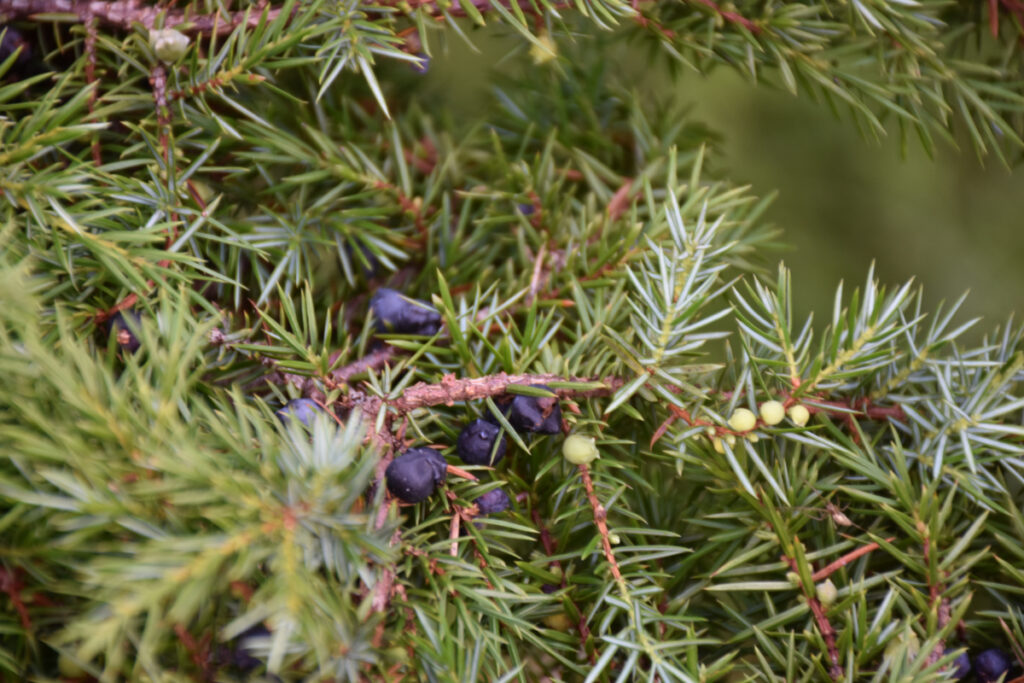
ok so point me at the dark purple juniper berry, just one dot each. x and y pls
(237, 654)
(304, 410)
(477, 442)
(423, 65)
(24, 64)
(394, 312)
(415, 474)
(991, 664)
(961, 666)
(124, 326)
(493, 502)
(540, 414)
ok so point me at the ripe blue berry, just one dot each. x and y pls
(415, 474)
(10, 41)
(493, 502)
(961, 666)
(540, 414)
(237, 655)
(124, 325)
(990, 665)
(396, 313)
(302, 409)
(476, 443)
(423, 65)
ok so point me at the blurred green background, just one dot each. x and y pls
(953, 223)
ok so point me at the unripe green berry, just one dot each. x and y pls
(743, 420)
(799, 415)
(772, 412)
(826, 592)
(168, 44)
(558, 622)
(579, 449)
(69, 668)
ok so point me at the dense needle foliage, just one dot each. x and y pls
(190, 238)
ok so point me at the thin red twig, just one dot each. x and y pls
(731, 17)
(600, 517)
(12, 585)
(825, 628)
(846, 559)
(91, 33)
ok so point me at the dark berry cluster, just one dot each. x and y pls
(415, 474)
(125, 326)
(399, 314)
(989, 666)
(992, 665)
(25, 64)
(540, 414)
(304, 410)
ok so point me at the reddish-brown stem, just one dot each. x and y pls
(453, 534)
(450, 390)
(620, 200)
(731, 17)
(12, 585)
(935, 598)
(600, 517)
(846, 559)
(828, 633)
(198, 650)
(91, 34)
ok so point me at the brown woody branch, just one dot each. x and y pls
(450, 390)
(124, 13)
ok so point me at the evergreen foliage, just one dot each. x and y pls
(234, 208)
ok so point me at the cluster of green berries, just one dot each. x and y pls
(771, 413)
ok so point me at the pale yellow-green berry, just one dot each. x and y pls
(731, 440)
(908, 640)
(558, 622)
(544, 50)
(793, 578)
(168, 44)
(826, 592)
(753, 438)
(579, 449)
(772, 412)
(799, 415)
(69, 668)
(716, 443)
(614, 539)
(743, 420)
